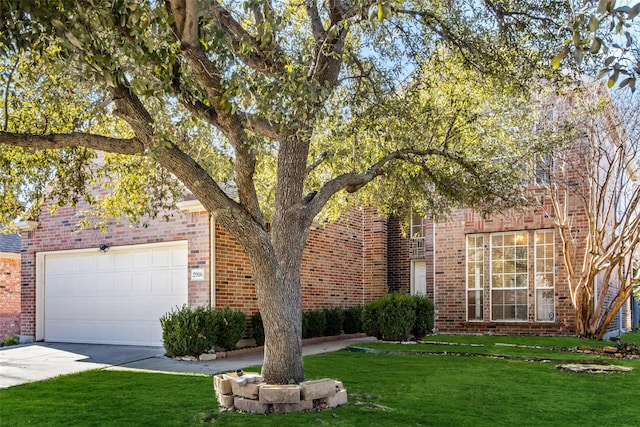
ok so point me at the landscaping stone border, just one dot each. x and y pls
(246, 392)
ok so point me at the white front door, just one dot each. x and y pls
(418, 277)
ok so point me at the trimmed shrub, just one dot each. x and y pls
(313, 323)
(258, 328)
(231, 324)
(370, 315)
(9, 340)
(352, 320)
(397, 316)
(424, 317)
(394, 317)
(188, 332)
(334, 318)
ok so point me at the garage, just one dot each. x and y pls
(110, 297)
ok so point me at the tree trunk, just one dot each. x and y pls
(280, 303)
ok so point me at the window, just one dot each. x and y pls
(475, 275)
(417, 226)
(544, 275)
(543, 168)
(509, 276)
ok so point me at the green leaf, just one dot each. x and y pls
(58, 24)
(73, 40)
(595, 45)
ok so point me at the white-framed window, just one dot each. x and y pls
(417, 226)
(475, 277)
(543, 170)
(544, 275)
(509, 276)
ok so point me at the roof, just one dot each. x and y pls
(10, 242)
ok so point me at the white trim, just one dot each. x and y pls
(190, 206)
(27, 225)
(10, 255)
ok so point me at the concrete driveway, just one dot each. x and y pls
(38, 361)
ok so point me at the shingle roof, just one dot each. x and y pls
(10, 243)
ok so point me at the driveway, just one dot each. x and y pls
(38, 361)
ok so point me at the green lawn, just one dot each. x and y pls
(384, 390)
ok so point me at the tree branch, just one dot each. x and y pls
(260, 59)
(316, 22)
(352, 182)
(129, 146)
(261, 126)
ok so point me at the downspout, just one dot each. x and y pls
(433, 263)
(212, 261)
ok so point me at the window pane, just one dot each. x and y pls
(475, 307)
(545, 272)
(475, 276)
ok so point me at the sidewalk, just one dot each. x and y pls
(161, 363)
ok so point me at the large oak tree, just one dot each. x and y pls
(272, 113)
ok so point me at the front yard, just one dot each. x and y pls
(423, 388)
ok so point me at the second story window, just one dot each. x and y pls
(417, 226)
(543, 169)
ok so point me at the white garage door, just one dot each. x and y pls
(115, 297)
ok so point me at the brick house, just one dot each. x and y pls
(83, 285)
(9, 284)
(504, 273)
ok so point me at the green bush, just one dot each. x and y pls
(370, 315)
(258, 328)
(397, 316)
(188, 332)
(352, 320)
(424, 317)
(334, 317)
(9, 340)
(313, 323)
(231, 325)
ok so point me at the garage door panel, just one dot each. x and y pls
(87, 264)
(162, 259)
(122, 261)
(104, 261)
(120, 300)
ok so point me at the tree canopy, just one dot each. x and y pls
(298, 106)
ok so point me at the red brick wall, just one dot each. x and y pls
(375, 256)
(60, 232)
(9, 294)
(399, 271)
(334, 272)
